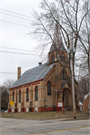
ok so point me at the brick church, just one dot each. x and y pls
(40, 88)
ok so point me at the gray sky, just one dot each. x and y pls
(14, 38)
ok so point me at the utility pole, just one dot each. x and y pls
(89, 61)
(72, 76)
(89, 69)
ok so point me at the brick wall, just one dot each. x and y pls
(85, 103)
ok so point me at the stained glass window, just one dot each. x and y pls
(27, 95)
(63, 74)
(52, 58)
(36, 93)
(62, 57)
(49, 88)
(13, 96)
(19, 96)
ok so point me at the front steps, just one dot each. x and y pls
(67, 108)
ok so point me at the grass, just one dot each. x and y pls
(45, 115)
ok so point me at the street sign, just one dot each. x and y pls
(11, 102)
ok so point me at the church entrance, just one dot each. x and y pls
(66, 97)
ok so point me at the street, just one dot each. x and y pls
(44, 127)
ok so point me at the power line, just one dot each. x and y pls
(16, 16)
(15, 13)
(7, 73)
(20, 53)
(15, 23)
(17, 49)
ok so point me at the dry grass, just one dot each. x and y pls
(45, 115)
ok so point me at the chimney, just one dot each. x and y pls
(40, 63)
(18, 72)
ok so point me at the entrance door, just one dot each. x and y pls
(66, 97)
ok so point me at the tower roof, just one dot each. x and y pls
(58, 41)
(61, 48)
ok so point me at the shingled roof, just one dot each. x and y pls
(33, 75)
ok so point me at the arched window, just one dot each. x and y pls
(52, 58)
(27, 95)
(62, 57)
(63, 74)
(36, 93)
(13, 96)
(19, 96)
(49, 88)
(67, 60)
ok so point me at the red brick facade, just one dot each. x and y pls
(86, 102)
(40, 109)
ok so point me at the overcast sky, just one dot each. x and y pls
(14, 37)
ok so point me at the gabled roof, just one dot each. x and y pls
(64, 84)
(86, 96)
(33, 75)
(60, 48)
(80, 103)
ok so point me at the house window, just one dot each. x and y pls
(63, 74)
(19, 96)
(49, 88)
(62, 57)
(52, 58)
(27, 95)
(36, 93)
(13, 96)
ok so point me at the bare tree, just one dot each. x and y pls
(68, 14)
(4, 98)
(83, 46)
(83, 81)
(4, 93)
(83, 88)
(8, 83)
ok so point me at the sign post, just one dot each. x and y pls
(60, 104)
(11, 103)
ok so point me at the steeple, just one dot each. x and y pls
(58, 40)
(57, 36)
(57, 47)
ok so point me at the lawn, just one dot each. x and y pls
(45, 115)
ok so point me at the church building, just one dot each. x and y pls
(40, 88)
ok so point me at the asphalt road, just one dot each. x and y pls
(44, 127)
